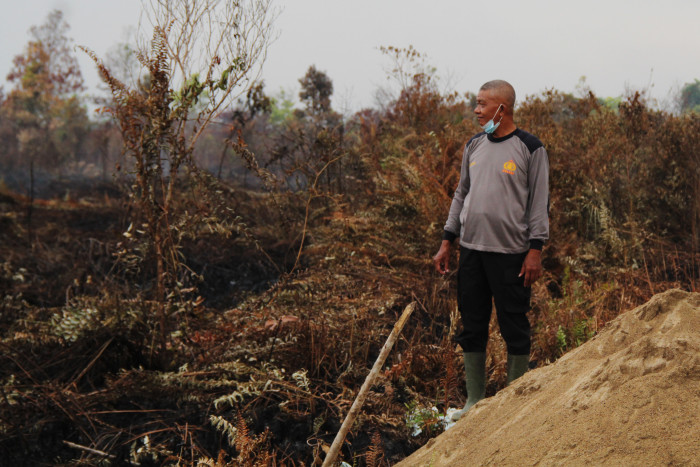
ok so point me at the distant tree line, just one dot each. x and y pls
(45, 124)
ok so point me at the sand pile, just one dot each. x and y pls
(630, 396)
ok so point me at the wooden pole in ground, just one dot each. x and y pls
(364, 390)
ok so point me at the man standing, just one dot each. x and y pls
(500, 214)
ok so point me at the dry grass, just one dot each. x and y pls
(277, 371)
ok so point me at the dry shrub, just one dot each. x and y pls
(291, 359)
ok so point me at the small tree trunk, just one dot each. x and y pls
(160, 283)
(30, 208)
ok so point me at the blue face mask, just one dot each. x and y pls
(490, 127)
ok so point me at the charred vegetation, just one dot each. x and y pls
(196, 320)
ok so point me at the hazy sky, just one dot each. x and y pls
(536, 45)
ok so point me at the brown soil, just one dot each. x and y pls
(630, 396)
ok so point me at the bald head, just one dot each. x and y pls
(503, 91)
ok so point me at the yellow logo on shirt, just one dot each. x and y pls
(510, 167)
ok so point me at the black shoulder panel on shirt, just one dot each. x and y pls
(476, 136)
(531, 141)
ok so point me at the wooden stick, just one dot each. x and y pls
(92, 362)
(94, 451)
(364, 390)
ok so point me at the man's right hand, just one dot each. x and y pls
(442, 259)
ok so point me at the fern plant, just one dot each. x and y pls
(252, 450)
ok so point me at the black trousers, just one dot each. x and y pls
(481, 278)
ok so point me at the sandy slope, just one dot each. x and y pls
(630, 396)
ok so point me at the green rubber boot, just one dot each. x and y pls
(517, 366)
(475, 375)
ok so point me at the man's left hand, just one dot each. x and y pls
(532, 267)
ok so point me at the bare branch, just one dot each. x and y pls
(214, 39)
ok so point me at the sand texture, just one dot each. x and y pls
(629, 396)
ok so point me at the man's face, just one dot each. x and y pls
(486, 106)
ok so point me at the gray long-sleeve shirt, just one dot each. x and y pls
(502, 201)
